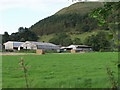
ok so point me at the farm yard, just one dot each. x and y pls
(85, 70)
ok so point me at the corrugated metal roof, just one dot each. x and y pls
(17, 44)
(81, 46)
(13, 42)
(41, 43)
(78, 46)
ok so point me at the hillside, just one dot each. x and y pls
(83, 36)
(70, 19)
(79, 8)
(71, 25)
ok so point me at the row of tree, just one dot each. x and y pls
(23, 34)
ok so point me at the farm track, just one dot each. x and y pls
(34, 53)
(17, 54)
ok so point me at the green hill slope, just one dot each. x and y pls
(70, 19)
(82, 37)
(73, 20)
(80, 8)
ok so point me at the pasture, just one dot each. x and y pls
(85, 70)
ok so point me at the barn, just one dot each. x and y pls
(12, 45)
(79, 48)
(38, 45)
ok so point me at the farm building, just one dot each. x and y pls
(38, 45)
(79, 48)
(12, 45)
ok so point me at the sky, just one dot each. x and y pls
(24, 13)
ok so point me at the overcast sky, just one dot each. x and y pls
(24, 13)
(17, 13)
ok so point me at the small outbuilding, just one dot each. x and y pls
(38, 45)
(79, 48)
(12, 45)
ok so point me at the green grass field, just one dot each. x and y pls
(85, 70)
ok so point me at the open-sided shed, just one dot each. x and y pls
(79, 48)
(38, 45)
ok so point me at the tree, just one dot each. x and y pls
(22, 40)
(28, 35)
(98, 42)
(104, 14)
(15, 36)
(109, 15)
(92, 41)
(5, 37)
(61, 39)
(85, 28)
(67, 41)
(23, 34)
(77, 41)
(21, 29)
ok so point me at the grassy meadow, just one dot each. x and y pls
(85, 70)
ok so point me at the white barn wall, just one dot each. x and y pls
(28, 45)
(9, 46)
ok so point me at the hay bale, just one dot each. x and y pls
(73, 51)
(40, 51)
